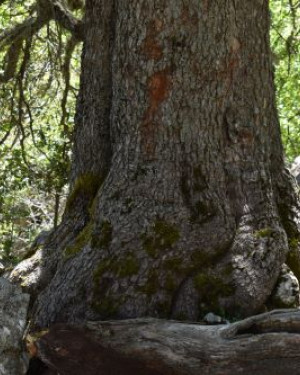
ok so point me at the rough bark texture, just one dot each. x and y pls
(13, 313)
(265, 344)
(180, 201)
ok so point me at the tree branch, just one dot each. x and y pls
(47, 10)
(22, 31)
(66, 19)
(70, 46)
(11, 61)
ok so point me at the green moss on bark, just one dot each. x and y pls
(263, 233)
(293, 243)
(173, 264)
(86, 187)
(152, 285)
(164, 236)
(106, 307)
(128, 267)
(102, 267)
(103, 303)
(293, 261)
(103, 237)
(211, 288)
(81, 240)
(123, 267)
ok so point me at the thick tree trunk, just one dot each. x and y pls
(180, 200)
(265, 344)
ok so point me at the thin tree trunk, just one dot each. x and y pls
(180, 200)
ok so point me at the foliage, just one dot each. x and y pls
(37, 110)
(285, 37)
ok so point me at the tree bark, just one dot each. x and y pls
(180, 202)
(265, 344)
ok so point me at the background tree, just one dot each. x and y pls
(285, 37)
(160, 220)
(38, 86)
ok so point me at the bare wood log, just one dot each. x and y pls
(266, 344)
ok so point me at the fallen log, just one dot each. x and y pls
(266, 344)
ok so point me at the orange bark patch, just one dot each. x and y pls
(159, 85)
(188, 18)
(151, 47)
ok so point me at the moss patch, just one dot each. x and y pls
(128, 267)
(103, 303)
(124, 267)
(263, 233)
(106, 307)
(293, 262)
(173, 264)
(102, 267)
(152, 284)
(166, 232)
(103, 238)
(81, 240)
(165, 235)
(293, 243)
(85, 187)
(149, 245)
(210, 289)
(199, 260)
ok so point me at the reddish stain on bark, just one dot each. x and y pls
(246, 137)
(185, 14)
(188, 18)
(151, 47)
(158, 85)
(205, 5)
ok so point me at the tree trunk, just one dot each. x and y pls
(180, 202)
(266, 344)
